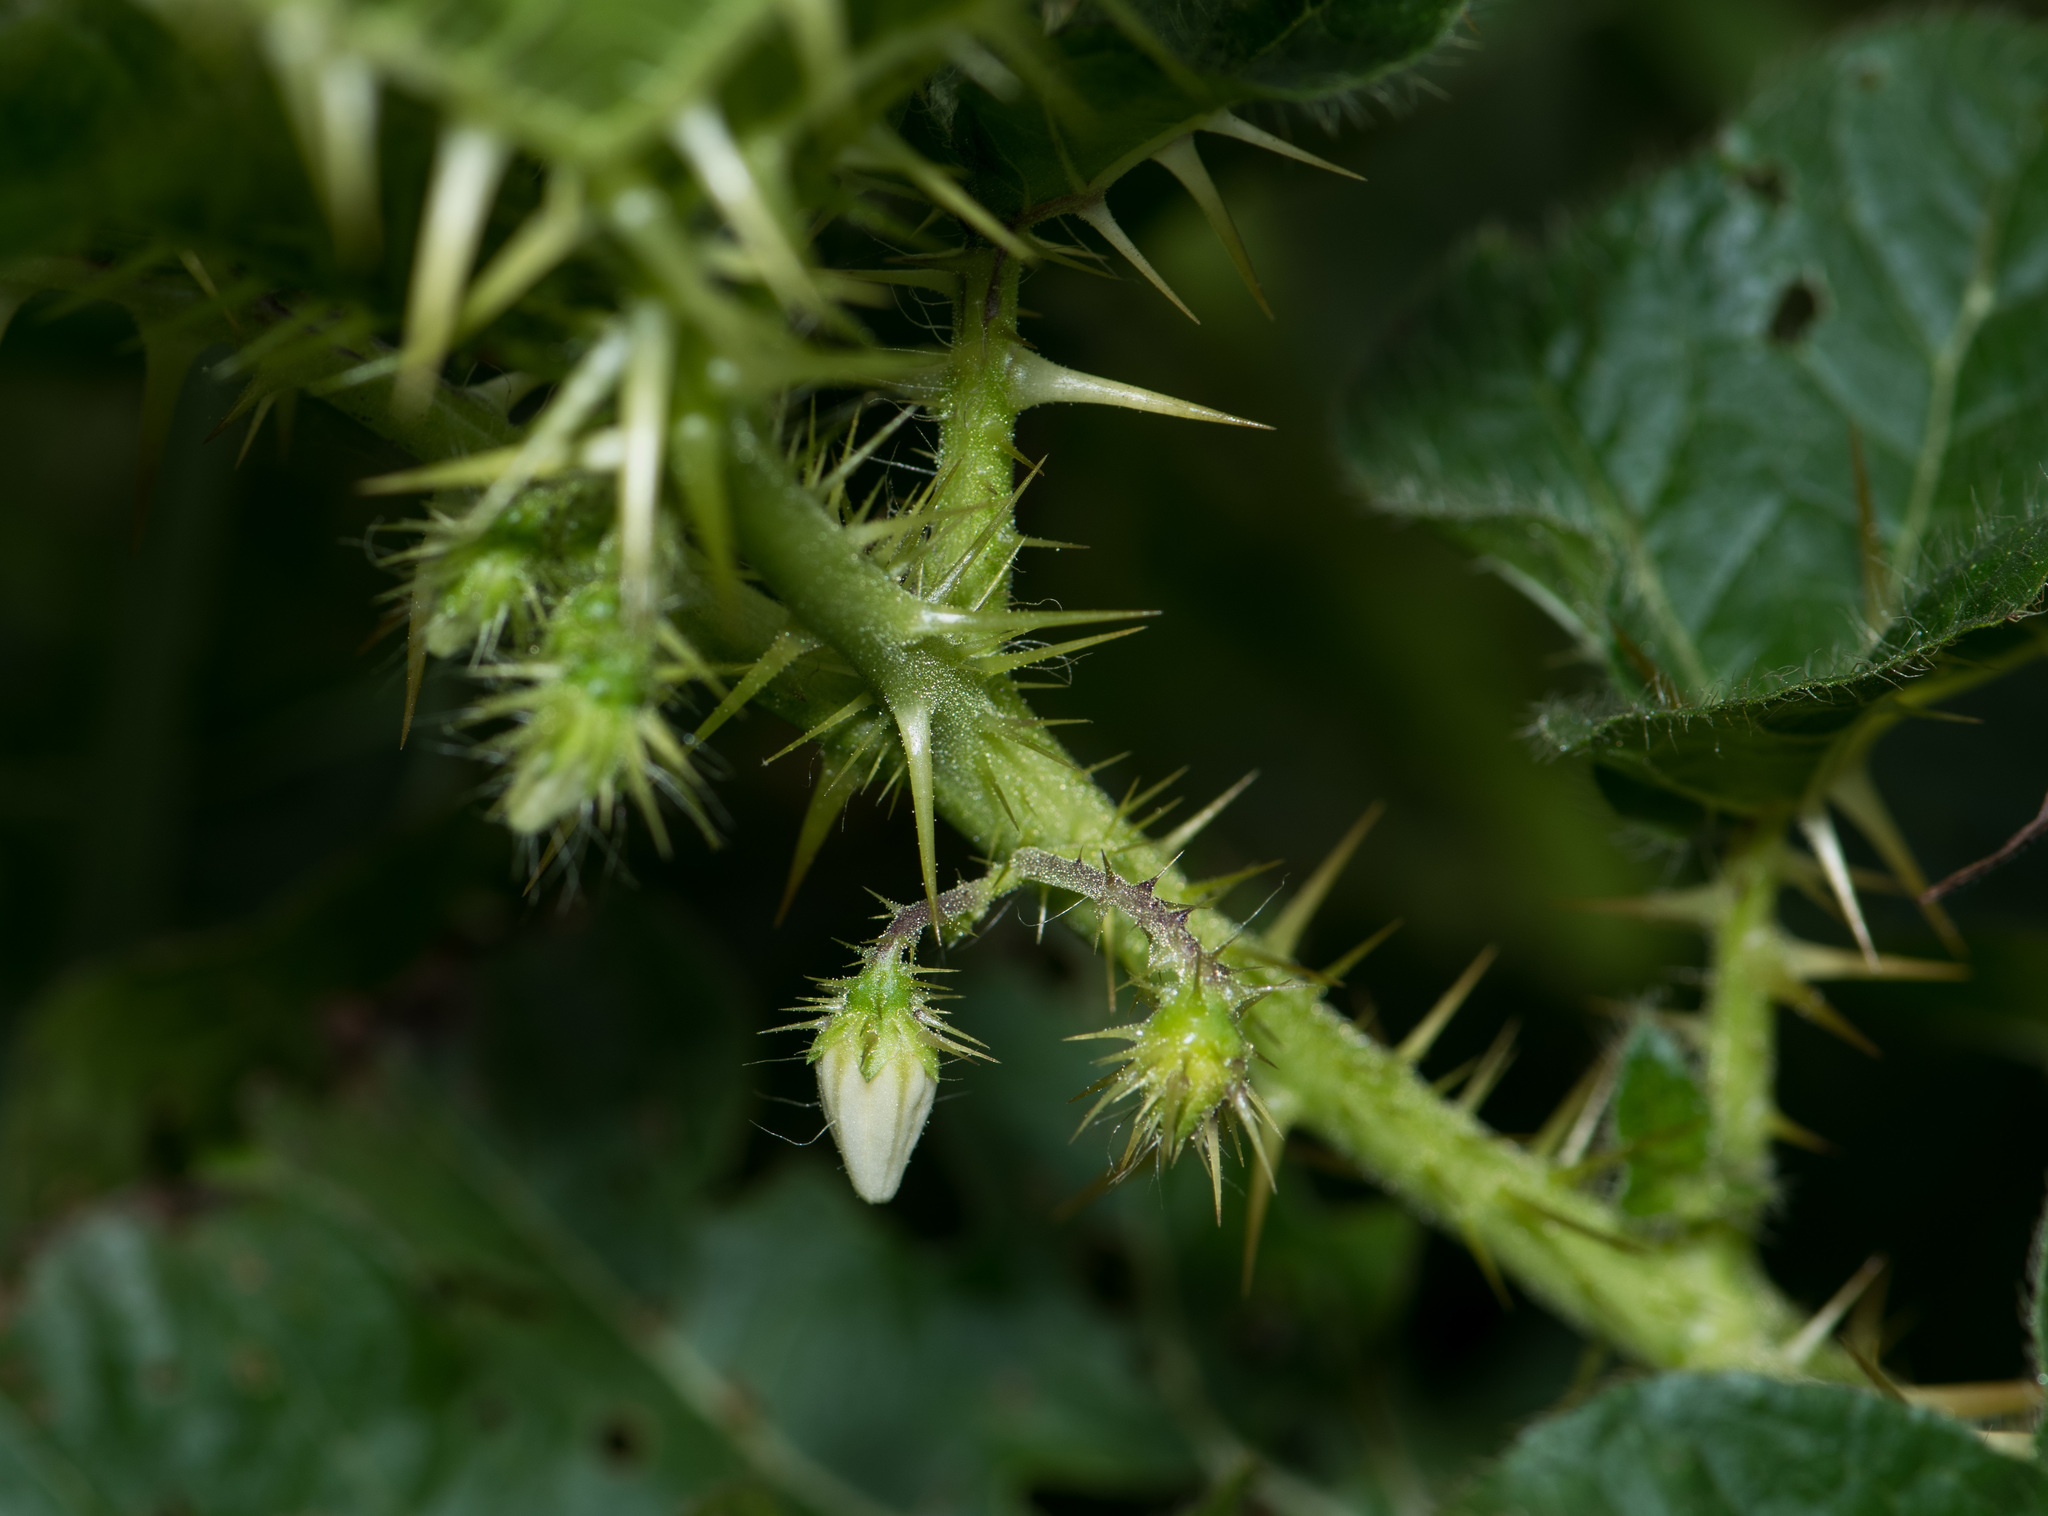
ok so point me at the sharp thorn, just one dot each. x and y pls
(1181, 159)
(1285, 934)
(1416, 1045)
(1096, 213)
(1224, 124)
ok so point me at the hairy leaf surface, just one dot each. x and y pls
(1134, 79)
(1765, 434)
(1738, 1445)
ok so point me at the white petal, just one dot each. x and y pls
(876, 1122)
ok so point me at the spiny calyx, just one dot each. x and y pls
(1187, 1066)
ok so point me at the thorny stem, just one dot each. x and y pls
(1695, 1299)
(975, 539)
(1741, 1017)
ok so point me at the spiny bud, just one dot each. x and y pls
(1188, 1058)
(482, 585)
(587, 728)
(877, 1057)
(1189, 1069)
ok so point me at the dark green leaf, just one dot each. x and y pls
(1661, 1123)
(918, 1383)
(1738, 1445)
(1133, 78)
(261, 1358)
(1764, 435)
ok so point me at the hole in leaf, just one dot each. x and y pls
(1767, 182)
(621, 1442)
(1798, 308)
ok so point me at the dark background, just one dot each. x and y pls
(204, 727)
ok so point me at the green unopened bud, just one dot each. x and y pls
(1189, 1058)
(877, 1057)
(587, 725)
(1189, 1068)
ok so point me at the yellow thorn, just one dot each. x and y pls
(1809, 1337)
(706, 143)
(1981, 1401)
(846, 712)
(914, 727)
(466, 472)
(1809, 960)
(782, 652)
(1858, 798)
(1806, 1002)
(543, 240)
(1335, 972)
(467, 166)
(1040, 381)
(1701, 906)
(1284, 936)
(836, 785)
(1096, 213)
(422, 610)
(1493, 1066)
(1213, 1159)
(1180, 158)
(1595, 1108)
(1198, 823)
(882, 148)
(1224, 124)
(331, 99)
(1010, 662)
(1415, 1046)
(1257, 1203)
(1487, 1267)
(1784, 1129)
(1819, 828)
(643, 424)
(255, 425)
(1550, 1136)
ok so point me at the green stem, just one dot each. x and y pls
(1696, 1299)
(1741, 1018)
(975, 539)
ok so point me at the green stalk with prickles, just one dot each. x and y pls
(651, 354)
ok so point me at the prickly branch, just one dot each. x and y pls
(1187, 1072)
(664, 526)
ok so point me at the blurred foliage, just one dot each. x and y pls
(1704, 1444)
(403, 1187)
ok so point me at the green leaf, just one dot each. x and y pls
(1739, 1445)
(974, 1385)
(1765, 434)
(260, 1357)
(1131, 78)
(1661, 1122)
(797, 1294)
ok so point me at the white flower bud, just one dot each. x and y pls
(876, 1118)
(877, 1057)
